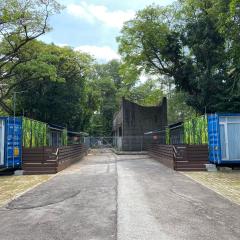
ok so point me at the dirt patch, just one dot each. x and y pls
(13, 186)
(226, 184)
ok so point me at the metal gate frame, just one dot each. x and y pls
(100, 142)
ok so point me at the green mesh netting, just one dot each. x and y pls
(196, 131)
(34, 133)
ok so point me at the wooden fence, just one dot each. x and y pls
(47, 160)
(181, 157)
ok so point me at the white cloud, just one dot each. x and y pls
(93, 13)
(104, 53)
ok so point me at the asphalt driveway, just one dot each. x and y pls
(119, 197)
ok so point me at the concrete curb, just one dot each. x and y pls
(128, 153)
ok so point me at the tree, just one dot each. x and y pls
(207, 59)
(178, 110)
(58, 92)
(148, 93)
(188, 43)
(148, 42)
(111, 70)
(21, 21)
(105, 83)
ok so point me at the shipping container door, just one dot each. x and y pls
(230, 132)
(14, 142)
(2, 142)
(213, 139)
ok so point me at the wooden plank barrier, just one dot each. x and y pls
(162, 153)
(47, 160)
(181, 157)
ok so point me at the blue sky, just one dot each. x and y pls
(93, 25)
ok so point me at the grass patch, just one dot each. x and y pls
(226, 184)
(13, 186)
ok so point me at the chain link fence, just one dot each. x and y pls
(99, 142)
(125, 143)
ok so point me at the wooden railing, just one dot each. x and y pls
(181, 157)
(163, 153)
(47, 160)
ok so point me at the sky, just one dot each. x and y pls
(93, 25)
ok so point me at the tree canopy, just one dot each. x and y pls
(188, 51)
(21, 21)
(56, 91)
(192, 42)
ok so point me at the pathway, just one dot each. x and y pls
(106, 196)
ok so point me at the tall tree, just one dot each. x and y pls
(188, 43)
(21, 21)
(58, 92)
(148, 93)
(105, 83)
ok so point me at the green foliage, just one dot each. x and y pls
(148, 93)
(109, 95)
(196, 130)
(110, 82)
(104, 87)
(56, 91)
(190, 50)
(195, 44)
(21, 21)
(96, 127)
(148, 42)
(178, 110)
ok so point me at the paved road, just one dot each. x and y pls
(108, 197)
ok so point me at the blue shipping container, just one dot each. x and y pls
(223, 138)
(10, 142)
